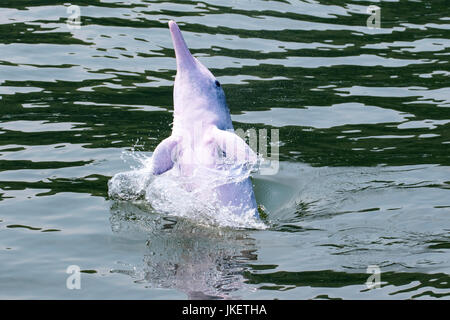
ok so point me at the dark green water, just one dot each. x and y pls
(364, 122)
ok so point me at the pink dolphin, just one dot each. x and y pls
(202, 134)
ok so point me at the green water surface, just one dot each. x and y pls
(364, 122)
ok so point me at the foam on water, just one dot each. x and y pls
(193, 197)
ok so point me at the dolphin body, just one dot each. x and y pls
(202, 134)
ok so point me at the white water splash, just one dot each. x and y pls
(191, 197)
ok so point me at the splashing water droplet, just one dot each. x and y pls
(193, 197)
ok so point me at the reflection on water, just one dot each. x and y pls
(202, 262)
(353, 216)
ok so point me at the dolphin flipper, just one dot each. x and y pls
(239, 194)
(233, 146)
(163, 156)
